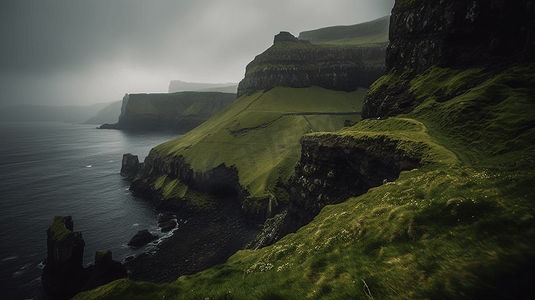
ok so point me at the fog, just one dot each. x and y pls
(73, 52)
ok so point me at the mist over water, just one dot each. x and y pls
(49, 169)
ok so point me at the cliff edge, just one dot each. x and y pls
(179, 112)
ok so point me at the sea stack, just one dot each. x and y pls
(64, 275)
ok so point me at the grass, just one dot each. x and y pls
(461, 226)
(58, 229)
(259, 135)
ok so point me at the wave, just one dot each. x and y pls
(10, 258)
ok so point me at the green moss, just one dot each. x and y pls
(175, 189)
(160, 182)
(58, 229)
(391, 80)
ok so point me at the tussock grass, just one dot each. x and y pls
(461, 226)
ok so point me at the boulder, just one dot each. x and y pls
(142, 238)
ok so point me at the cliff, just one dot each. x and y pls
(450, 34)
(354, 60)
(177, 111)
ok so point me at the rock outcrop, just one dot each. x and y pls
(64, 275)
(292, 62)
(221, 181)
(142, 238)
(130, 165)
(332, 169)
(178, 112)
(455, 34)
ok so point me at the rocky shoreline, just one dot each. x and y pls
(202, 240)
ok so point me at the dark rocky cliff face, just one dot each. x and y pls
(332, 169)
(456, 34)
(221, 181)
(294, 63)
(179, 112)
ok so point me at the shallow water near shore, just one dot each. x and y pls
(49, 169)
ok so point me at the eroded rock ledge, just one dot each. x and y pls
(294, 63)
(334, 168)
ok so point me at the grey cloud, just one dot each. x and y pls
(110, 47)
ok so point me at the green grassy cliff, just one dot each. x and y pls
(180, 111)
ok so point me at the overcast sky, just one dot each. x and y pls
(74, 52)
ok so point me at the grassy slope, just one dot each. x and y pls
(461, 226)
(259, 134)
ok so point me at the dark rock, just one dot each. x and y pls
(273, 230)
(63, 275)
(104, 270)
(167, 222)
(130, 165)
(142, 238)
(331, 170)
(165, 217)
(285, 36)
(221, 181)
(453, 34)
(168, 226)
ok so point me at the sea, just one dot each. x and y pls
(49, 169)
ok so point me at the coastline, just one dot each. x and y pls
(202, 240)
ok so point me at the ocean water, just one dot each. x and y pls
(49, 169)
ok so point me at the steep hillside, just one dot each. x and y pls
(355, 59)
(455, 34)
(177, 111)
